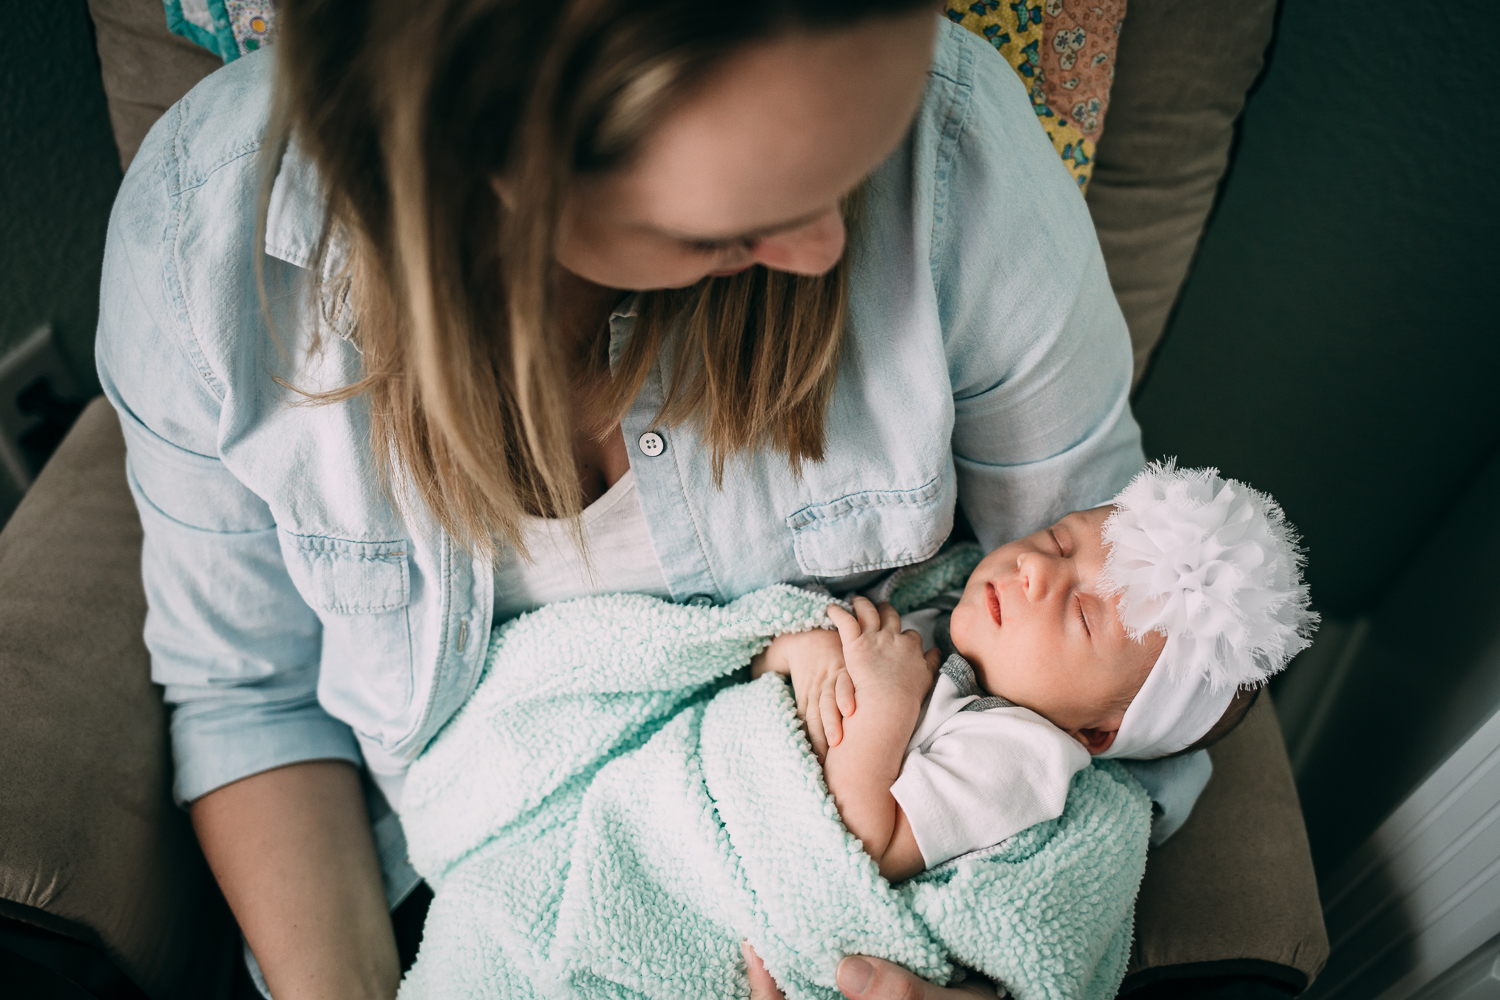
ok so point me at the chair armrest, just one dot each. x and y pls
(94, 848)
(1233, 892)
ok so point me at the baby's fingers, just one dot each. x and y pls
(828, 713)
(844, 693)
(814, 722)
(934, 659)
(889, 619)
(867, 613)
(846, 623)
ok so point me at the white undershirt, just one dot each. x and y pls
(621, 560)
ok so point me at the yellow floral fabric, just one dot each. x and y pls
(1064, 51)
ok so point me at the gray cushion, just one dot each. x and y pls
(145, 67)
(1181, 74)
(94, 847)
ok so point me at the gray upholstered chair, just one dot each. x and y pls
(99, 870)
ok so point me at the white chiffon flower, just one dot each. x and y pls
(1214, 566)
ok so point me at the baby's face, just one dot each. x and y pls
(1038, 633)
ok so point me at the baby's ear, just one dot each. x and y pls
(1095, 741)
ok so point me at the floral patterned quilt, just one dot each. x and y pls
(1065, 52)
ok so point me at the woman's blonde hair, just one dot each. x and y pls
(410, 110)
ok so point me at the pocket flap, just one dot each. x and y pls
(347, 577)
(874, 529)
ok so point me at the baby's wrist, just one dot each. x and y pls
(903, 685)
(901, 672)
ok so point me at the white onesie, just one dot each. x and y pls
(980, 769)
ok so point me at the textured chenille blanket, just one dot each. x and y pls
(615, 809)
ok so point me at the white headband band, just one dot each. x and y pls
(1214, 566)
(1165, 717)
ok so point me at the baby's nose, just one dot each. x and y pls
(1036, 575)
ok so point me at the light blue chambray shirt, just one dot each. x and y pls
(986, 365)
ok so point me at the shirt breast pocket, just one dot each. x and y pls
(361, 591)
(873, 529)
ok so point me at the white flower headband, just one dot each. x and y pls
(1214, 566)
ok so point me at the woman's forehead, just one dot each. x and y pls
(778, 131)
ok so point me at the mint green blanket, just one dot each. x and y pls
(611, 814)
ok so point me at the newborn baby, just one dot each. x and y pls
(1139, 629)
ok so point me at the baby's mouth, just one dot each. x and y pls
(993, 598)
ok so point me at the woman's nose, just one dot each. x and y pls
(811, 249)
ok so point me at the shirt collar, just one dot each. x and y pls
(628, 308)
(294, 218)
(621, 325)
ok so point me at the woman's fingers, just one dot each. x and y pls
(843, 689)
(762, 986)
(862, 978)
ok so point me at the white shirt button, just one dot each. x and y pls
(700, 601)
(652, 444)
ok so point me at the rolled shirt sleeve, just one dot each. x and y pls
(1174, 784)
(232, 643)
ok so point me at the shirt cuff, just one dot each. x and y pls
(1174, 784)
(214, 747)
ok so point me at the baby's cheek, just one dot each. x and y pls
(959, 627)
(976, 649)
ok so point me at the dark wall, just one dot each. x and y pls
(58, 175)
(1425, 677)
(1335, 343)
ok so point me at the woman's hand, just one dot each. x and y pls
(863, 978)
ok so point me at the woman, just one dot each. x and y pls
(372, 331)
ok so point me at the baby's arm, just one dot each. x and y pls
(872, 659)
(891, 677)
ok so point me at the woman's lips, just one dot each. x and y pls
(993, 599)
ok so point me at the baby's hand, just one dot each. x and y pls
(878, 654)
(825, 695)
